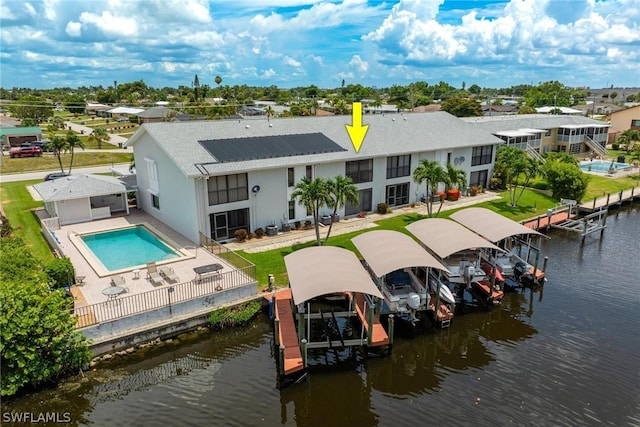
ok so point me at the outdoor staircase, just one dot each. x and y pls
(533, 153)
(599, 149)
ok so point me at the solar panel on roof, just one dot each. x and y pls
(269, 147)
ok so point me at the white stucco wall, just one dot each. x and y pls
(73, 211)
(178, 207)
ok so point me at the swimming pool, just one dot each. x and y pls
(127, 248)
(602, 166)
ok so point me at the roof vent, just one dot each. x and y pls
(270, 125)
(246, 126)
(393, 119)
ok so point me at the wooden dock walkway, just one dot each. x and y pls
(379, 335)
(543, 221)
(287, 334)
(616, 199)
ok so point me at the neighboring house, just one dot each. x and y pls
(499, 110)
(545, 132)
(597, 109)
(427, 108)
(124, 111)
(14, 136)
(156, 114)
(563, 110)
(216, 177)
(82, 198)
(622, 120)
(100, 110)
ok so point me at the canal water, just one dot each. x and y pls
(569, 355)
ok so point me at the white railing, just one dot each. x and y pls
(595, 146)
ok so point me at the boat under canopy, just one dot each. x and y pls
(323, 270)
(490, 225)
(445, 237)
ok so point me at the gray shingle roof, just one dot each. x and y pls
(78, 187)
(392, 134)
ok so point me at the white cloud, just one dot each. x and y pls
(74, 29)
(111, 24)
(357, 62)
(291, 62)
(6, 13)
(269, 73)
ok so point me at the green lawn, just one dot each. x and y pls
(18, 205)
(50, 162)
(600, 186)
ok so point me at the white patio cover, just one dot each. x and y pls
(386, 251)
(322, 270)
(490, 225)
(445, 237)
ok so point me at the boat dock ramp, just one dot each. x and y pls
(567, 215)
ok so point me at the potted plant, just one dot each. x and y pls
(474, 190)
(456, 178)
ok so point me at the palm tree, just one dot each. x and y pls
(629, 137)
(341, 190)
(73, 142)
(99, 135)
(431, 173)
(58, 145)
(456, 178)
(312, 194)
(269, 112)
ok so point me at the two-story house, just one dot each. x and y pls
(216, 177)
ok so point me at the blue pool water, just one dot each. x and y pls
(602, 166)
(128, 247)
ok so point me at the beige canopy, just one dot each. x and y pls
(322, 270)
(445, 237)
(490, 225)
(386, 251)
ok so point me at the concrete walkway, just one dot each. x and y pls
(283, 240)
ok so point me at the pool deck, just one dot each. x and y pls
(90, 292)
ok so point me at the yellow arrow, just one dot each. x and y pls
(357, 131)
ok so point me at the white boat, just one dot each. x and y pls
(395, 261)
(513, 258)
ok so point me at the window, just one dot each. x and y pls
(635, 123)
(398, 166)
(365, 197)
(152, 175)
(292, 209)
(397, 194)
(227, 188)
(482, 155)
(548, 132)
(479, 178)
(225, 224)
(155, 201)
(309, 172)
(360, 170)
(290, 177)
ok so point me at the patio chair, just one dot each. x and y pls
(152, 273)
(120, 281)
(168, 273)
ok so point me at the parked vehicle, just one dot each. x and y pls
(40, 144)
(55, 175)
(26, 151)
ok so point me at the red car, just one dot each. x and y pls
(31, 151)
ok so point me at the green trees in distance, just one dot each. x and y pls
(431, 173)
(462, 107)
(99, 135)
(73, 142)
(38, 340)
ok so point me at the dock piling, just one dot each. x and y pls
(391, 329)
(276, 329)
(304, 352)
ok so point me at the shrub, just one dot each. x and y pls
(60, 273)
(259, 232)
(382, 208)
(362, 214)
(615, 146)
(234, 316)
(241, 235)
(307, 224)
(298, 225)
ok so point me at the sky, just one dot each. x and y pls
(290, 43)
